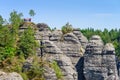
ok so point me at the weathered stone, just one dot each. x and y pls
(50, 47)
(73, 51)
(49, 73)
(109, 49)
(112, 77)
(83, 40)
(10, 76)
(43, 32)
(43, 27)
(95, 45)
(65, 64)
(99, 62)
(67, 68)
(42, 35)
(93, 60)
(71, 38)
(56, 35)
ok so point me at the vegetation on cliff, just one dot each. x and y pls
(16, 47)
(67, 28)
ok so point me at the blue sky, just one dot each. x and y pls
(98, 14)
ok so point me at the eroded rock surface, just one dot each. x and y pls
(99, 60)
(83, 40)
(78, 58)
(10, 76)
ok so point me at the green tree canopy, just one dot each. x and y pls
(1, 20)
(32, 13)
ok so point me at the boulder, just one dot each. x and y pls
(109, 49)
(10, 76)
(43, 27)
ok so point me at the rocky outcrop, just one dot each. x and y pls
(110, 63)
(64, 62)
(99, 60)
(10, 76)
(78, 58)
(65, 49)
(56, 35)
(82, 39)
(43, 32)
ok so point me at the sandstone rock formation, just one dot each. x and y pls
(56, 35)
(78, 58)
(65, 49)
(49, 73)
(64, 62)
(43, 32)
(10, 76)
(83, 40)
(99, 60)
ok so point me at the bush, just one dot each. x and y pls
(67, 28)
(57, 70)
(27, 43)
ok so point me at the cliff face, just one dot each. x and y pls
(78, 58)
(65, 49)
(99, 60)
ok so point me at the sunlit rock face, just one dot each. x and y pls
(82, 39)
(99, 60)
(43, 31)
(95, 45)
(78, 58)
(56, 35)
(109, 61)
(66, 49)
(10, 76)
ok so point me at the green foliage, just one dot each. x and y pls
(15, 48)
(31, 12)
(15, 19)
(57, 70)
(67, 28)
(7, 49)
(27, 43)
(36, 71)
(24, 76)
(1, 20)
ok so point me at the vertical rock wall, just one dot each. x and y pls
(99, 60)
(65, 49)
